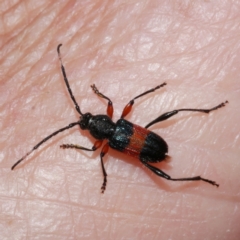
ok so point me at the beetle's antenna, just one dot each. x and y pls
(66, 81)
(44, 140)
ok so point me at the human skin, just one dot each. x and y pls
(125, 49)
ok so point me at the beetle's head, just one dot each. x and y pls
(84, 120)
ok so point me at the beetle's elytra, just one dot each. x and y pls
(123, 136)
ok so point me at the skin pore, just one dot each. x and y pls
(125, 49)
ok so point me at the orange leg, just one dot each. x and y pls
(110, 104)
(128, 107)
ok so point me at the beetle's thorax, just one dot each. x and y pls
(99, 126)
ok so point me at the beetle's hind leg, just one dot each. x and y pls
(162, 174)
(167, 115)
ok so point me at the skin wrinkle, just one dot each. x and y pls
(197, 52)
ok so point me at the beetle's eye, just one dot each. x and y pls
(84, 120)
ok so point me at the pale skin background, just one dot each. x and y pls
(125, 49)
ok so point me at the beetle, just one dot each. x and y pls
(123, 136)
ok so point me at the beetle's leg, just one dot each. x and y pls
(102, 154)
(96, 145)
(128, 107)
(174, 112)
(164, 175)
(110, 104)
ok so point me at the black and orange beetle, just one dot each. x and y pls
(123, 136)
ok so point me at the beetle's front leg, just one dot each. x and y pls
(102, 154)
(96, 145)
(110, 104)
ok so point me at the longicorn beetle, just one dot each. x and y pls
(123, 136)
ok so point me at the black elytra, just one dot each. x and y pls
(123, 136)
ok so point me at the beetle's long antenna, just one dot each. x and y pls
(44, 140)
(66, 81)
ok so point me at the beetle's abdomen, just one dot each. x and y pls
(154, 149)
(138, 142)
